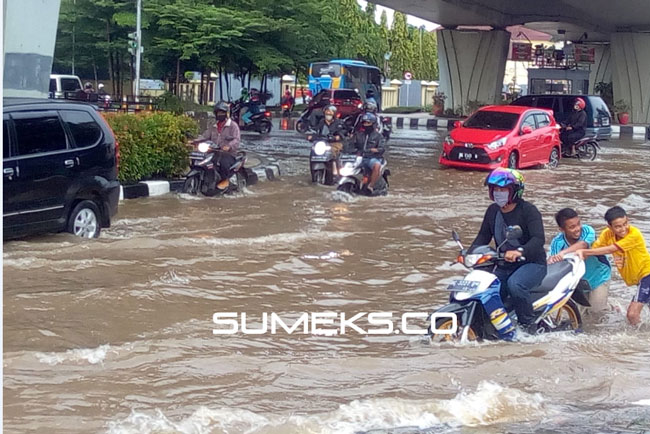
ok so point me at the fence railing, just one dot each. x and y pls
(113, 103)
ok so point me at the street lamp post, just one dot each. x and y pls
(138, 49)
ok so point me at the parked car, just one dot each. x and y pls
(503, 136)
(60, 85)
(599, 119)
(60, 163)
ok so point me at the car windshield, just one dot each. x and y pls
(488, 120)
(331, 69)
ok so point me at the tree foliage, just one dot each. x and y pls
(244, 37)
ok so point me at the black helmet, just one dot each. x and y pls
(370, 93)
(368, 118)
(221, 106)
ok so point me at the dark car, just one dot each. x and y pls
(348, 103)
(60, 162)
(599, 119)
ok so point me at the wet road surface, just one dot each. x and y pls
(115, 335)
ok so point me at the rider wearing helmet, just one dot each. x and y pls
(225, 134)
(331, 128)
(370, 145)
(368, 107)
(574, 128)
(525, 258)
(370, 96)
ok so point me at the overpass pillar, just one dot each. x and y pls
(29, 38)
(631, 73)
(472, 65)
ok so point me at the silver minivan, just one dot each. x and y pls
(60, 85)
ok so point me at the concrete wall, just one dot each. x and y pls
(472, 65)
(631, 73)
(29, 38)
(602, 67)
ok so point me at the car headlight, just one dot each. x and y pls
(449, 141)
(321, 147)
(497, 143)
(204, 147)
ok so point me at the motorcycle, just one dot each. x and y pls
(386, 127)
(354, 177)
(205, 178)
(308, 119)
(260, 122)
(585, 149)
(322, 161)
(476, 310)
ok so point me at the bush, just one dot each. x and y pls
(152, 144)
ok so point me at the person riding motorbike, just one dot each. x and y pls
(225, 135)
(253, 107)
(333, 128)
(288, 99)
(370, 96)
(368, 107)
(370, 145)
(525, 258)
(574, 129)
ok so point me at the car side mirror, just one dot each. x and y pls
(514, 232)
(526, 130)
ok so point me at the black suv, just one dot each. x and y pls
(60, 168)
(599, 120)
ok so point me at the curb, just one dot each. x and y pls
(270, 171)
(618, 131)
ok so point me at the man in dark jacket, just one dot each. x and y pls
(574, 127)
(370, 145)
(525, 266)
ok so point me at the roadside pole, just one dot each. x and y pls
(138, 49)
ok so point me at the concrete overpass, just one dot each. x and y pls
(472, 62)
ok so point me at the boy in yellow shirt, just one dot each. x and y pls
(631, 257)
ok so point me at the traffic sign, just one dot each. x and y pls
(408, 76)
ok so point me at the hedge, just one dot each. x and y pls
(152, 144)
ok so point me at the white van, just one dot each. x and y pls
(60, 84)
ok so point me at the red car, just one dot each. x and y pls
(503, 136)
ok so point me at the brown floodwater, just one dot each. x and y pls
(116, 335)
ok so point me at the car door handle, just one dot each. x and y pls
(69, 163)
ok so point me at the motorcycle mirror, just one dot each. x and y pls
(456, 238)
(514, 232)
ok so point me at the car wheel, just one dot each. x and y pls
(513, 160)
(84, 220)
(553, 159)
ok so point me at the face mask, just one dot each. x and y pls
(329, 117)
(220, 116)
(368, 128)
(501, 198)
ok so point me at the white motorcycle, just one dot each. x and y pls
(476, 311)
(355, 178)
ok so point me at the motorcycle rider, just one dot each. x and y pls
(525, 258)
(225, 134)
(332, 128)
(574, 129)
(370, 96)
(370, 145)
(368, 107)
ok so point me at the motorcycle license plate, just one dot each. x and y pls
(197, 155)
(463, 285)
(320, 158)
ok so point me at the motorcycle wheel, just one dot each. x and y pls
(301, 126)
(241, 182)
(587, 151)
(318, 176)
(446, 324)
(191, 185)
(346, 188)
(568, 315)
(264, 127)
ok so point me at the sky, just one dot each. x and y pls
(417, 22)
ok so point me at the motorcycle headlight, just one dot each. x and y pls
(471, 260)
(321, 147)
(347, 170)
(204, 147)
(449, 141)
(497, 143)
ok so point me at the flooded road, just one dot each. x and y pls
(116, 335)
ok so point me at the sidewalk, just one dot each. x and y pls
(258, 168)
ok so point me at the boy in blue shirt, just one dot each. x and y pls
(574, 236)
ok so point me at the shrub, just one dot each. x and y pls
(152, 144)
(402, 110)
